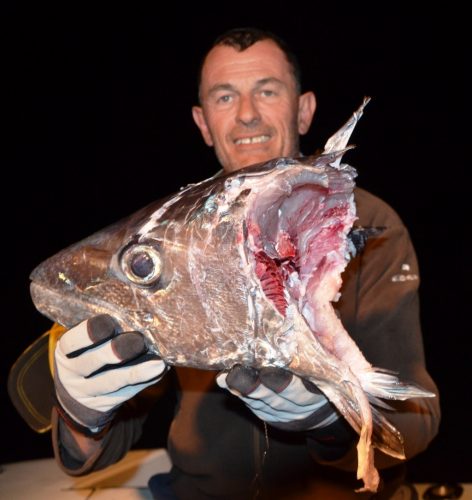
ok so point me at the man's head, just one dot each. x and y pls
(251, 109)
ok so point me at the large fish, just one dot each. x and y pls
(240, 268)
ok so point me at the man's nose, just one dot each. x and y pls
(248, 114)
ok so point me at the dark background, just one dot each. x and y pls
(98, 124)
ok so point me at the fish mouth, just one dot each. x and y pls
(67, 309)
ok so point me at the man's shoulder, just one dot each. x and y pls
(372, 210)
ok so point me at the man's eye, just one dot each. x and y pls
(267, 93)
(224, 99)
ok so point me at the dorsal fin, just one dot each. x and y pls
(339, 140)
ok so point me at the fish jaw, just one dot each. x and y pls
(60, 286)
(64, 309)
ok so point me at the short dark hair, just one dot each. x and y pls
(242, 38)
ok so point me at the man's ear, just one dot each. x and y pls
(199, 119)
(306, 110)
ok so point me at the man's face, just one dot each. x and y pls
(251, 111)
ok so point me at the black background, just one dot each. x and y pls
(98, 124)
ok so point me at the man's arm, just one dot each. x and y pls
(79, 454)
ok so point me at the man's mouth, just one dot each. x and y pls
(257, 139)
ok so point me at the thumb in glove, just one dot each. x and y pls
(98, 367)
(279, 397)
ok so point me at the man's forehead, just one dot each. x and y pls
(225, 64)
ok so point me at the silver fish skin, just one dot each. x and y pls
(239, 268)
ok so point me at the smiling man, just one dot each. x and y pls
(250, 433)
(251, 108)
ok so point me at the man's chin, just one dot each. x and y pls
(250, 158)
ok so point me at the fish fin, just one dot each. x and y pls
(385, 384)
(358, 236)
(379, 403)
(320, 160)
(385, 436)
(339, 140)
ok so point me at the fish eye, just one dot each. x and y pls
(141, 264)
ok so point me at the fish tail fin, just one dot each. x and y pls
(385, 436)
(385, 384)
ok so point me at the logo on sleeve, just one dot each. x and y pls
(405, 275)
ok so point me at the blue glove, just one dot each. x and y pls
(279, 397)
(98, 367)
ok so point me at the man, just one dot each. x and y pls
(272, 435)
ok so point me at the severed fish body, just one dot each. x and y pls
(239, 269)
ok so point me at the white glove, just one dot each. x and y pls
(280, 398)
(97, 368)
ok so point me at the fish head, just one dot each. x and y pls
(85, 278)
(220, 272)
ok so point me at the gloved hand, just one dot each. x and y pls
(279, 398)
(97, 368)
